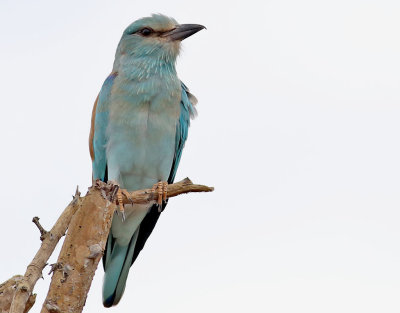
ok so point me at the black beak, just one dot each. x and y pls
(183, 31)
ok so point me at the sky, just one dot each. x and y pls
(298, 131)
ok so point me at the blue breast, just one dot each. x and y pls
(141, 132)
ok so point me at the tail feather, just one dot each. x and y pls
(117, 259)
(117, 265)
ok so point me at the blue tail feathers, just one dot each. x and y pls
(116, 268)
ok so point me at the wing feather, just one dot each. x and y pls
(188, 111)
(97, 138)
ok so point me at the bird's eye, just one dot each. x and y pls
(146, 31)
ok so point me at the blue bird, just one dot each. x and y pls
(139, 126)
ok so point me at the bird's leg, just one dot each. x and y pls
(162, 190)
(120, 202)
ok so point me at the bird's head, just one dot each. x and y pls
(157, 36)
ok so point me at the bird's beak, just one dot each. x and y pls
(182, 31)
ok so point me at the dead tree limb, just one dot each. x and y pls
(24, 287)
(86, 239)
(7, 292)
(88, 221)
(181, 187)
(81, 252)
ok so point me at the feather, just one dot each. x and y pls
(139, 127)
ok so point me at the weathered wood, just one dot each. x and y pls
(24, 287)
(181, 187)
(88, 221)
(7, 292)
(86, 239)
(80, 254)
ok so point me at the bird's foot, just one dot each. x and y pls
(120, 202)
(162, 190)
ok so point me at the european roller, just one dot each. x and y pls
(139, 126)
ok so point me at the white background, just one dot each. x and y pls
(298, 130)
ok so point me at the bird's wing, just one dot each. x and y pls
(97, 137)
(188, 102)
(188, 110)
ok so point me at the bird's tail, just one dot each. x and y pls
(117, 264)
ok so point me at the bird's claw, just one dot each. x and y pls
(162, 189)
(123, 216)
(120, 202)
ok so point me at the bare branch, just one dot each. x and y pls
(81, 252)
(24, 287)
(184, 186)
(7, 291)
(43, 232)
(86, 239)
(88, 220)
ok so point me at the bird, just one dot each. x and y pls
(139, 126)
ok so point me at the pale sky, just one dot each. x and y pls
(298, 130)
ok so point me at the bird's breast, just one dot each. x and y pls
(141, 131)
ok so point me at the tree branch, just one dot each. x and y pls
(86, 239)
(81, 252)
(88, 221)
(24, 287)
(7, 292)
(184, 186)
(43, 232)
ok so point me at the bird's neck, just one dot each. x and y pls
(143, 68)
